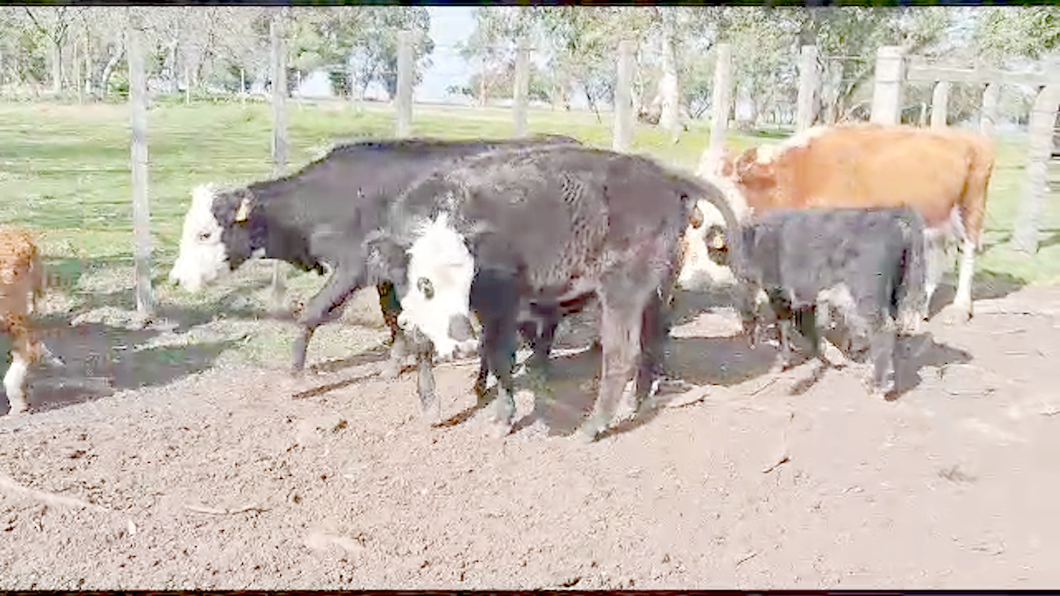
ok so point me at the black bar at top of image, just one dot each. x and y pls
(766, 3)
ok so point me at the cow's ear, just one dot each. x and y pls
(385, 259)
(717, 244)
(246, 205)
(697, 217)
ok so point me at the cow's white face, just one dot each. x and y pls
(203, 256)
(438, 295)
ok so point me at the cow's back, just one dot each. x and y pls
(871, 165)
(351, 185)
(807, 250)
(558, 214)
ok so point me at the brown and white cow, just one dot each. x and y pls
(21, 284)
(942, 174)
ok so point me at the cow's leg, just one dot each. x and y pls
(621, 319)
(806, 322)
(935, 242)
(495, 299)
(388, 303)
(654, 332)
(342, 283)
(14, 383)
(884, 339)
(499, 344)
(424, 353)
(966, 270)
(538, 365)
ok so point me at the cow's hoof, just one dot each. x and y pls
(499, 430)
(955, 314)
(503, 413)
(591, 431)
(392, 368)
(17, 411)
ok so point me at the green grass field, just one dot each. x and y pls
(64, 172)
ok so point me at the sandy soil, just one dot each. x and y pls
(188, 472)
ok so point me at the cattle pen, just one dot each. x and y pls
(179, 454)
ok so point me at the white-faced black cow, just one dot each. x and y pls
(315, 217)
(866, 265)
(548, 227)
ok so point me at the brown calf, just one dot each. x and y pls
(21, 284)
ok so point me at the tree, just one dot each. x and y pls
(53, 23)
(376, 45)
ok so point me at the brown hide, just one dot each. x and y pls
(868, 165)
(21, 284)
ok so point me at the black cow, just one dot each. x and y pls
(315, 217)
(864, 264)
(550, 227)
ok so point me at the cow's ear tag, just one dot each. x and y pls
(244, 210)
(719, 242)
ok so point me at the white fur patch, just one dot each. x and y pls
(770, 152)
(697, 269)
(440, 272)
(14, 384)
(203, 257)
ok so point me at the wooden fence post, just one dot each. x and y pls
(988, 113)
(940, 104)
(521, 91)
(1043, 119)
(145, 300)
(721, 105)
(279, 133)
(403, 101)
(809, 87)
(887, 95)
(622, 133)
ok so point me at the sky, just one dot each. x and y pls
(449, 25)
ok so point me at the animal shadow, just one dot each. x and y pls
(102, 359)
(913, 352)
(574, 380)
(986, 285)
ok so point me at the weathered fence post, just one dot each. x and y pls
(887, 95)
(622, 134)
(521, 92)
(988, 113)
(721, 104)
(242, 86)
(145, 301)
(809, 87)
(940, 104)
(1043, 119)
(279, 132)
(187, 82)
(403, 100)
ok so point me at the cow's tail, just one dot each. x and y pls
(703, 189)
(911, 293)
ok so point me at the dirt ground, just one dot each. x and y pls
(221, 475)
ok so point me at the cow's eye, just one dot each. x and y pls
(204, 236)
(424, 286)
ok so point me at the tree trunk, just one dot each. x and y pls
(108, 70)
(57, 67)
